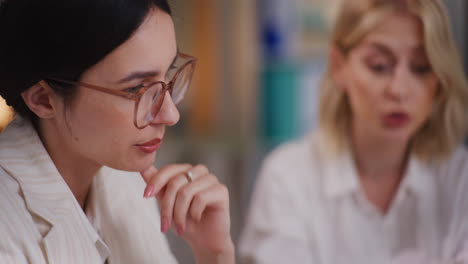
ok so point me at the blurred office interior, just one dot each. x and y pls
(255, 85)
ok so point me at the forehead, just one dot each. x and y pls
(151, 48)
(400, 32)
(155, 37)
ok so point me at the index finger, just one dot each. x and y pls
(157, 179)
(146, 174)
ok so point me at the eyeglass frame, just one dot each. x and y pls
(139, 94)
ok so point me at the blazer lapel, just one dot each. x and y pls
(71, 237)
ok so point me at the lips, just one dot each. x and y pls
(151, 142)
(396, 119)
(150, 146)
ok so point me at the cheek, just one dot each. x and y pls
(362, 91)
(100, 126)
(108, 110)
(426, 88)
(425, 98)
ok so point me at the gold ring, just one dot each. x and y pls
(189, 176)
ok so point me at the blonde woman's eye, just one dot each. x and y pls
(421, 69)
(379, 68)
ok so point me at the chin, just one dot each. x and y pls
(134, 164)
(141, 165)
(397, 135)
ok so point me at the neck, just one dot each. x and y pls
(380, 165)
(378, 157)
(77, 171)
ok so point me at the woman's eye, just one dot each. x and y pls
(170, 73)
(379, 68)
(379, 64)
(421, 69)
(134, 89)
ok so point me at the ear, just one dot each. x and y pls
(337, 62)
(39, 99)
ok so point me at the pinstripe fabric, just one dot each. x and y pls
(41, 221)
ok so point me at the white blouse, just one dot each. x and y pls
(41, 221)
(308, 207)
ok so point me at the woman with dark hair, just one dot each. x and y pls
(94, 83)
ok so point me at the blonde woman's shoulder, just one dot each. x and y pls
(455, 168)
(452, 183)
(294, 164)
(294, 154)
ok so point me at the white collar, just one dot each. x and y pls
(341, 177)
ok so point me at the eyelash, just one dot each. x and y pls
(378, 68)
(421, 69)
(134, 89)
(171, 68)
(381, 68)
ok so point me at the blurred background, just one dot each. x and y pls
(255, 85)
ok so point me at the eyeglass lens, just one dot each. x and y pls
(152, 100)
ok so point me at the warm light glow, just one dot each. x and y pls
(6, 114)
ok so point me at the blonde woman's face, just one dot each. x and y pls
(388, 79)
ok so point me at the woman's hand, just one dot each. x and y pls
(196, 204)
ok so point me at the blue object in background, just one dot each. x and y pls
(289, 80)
(279, 109)
(279, 74)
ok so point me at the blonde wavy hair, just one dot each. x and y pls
(447, 126)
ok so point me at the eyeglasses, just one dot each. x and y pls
(149, 96)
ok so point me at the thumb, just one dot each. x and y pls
(148, 173)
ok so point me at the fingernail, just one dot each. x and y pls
(180, 230)
(149, 191)
(164, 224)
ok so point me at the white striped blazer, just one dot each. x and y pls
(41, 221)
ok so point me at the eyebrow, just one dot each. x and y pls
(419, 50)
(139, 75)
(381, 48)
(144, 74)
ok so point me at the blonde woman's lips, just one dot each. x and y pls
(396, 119)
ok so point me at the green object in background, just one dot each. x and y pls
(279, 109)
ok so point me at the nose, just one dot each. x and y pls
(399, 87)
(168, 114)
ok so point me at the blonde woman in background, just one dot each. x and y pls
(385, 178)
